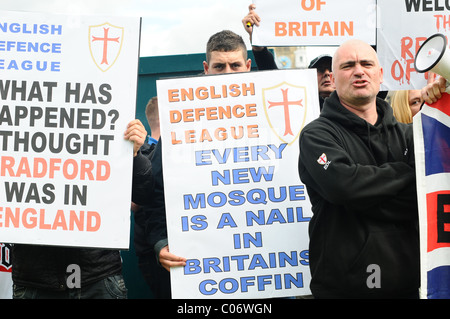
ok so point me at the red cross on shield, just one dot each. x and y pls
(285, 106)
(105, 44)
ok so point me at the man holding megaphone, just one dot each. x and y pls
(364, 240)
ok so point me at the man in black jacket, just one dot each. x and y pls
(225, 53)
(357, 163)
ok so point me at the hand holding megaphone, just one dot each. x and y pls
(434, 89)
(434, 56)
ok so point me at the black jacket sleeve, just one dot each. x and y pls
(143, 181)
(265, 60)
(155, 209)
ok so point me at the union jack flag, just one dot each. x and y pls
(432, 149)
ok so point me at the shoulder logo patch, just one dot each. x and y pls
(322, 160)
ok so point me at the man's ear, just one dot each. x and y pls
(249, 64)
(205, 67)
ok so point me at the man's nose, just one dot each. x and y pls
(358, 69)
(227, 69)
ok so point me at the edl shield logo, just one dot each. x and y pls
(285, 108)
(105, 44)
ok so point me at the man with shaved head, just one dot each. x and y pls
(357, 163)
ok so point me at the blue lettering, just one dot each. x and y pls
(260, 151)
(199, 223)
(240, 261)
(234, 285)
(192, 267)
(271, 192)
(222, 199)
(305, 255)
(292, 260)
(255, 241)
(55, 66)
(226, 220)
(201, 158)
(213, 263)
(31, 29)
(297, 281)
(216, 176)
(257, 261)
(190, 201)
(268, 175)
(240, 175)
(276, 215)
(245, 283)
(297, 192)
(263, 281)
(203, 284)
(13, 65)
(236, 198)
(27, 65)
(222, 159)
(278, 150)
(241, 154)
(260, 197)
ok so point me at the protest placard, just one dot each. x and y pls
(403, 26)
(235, 206)
(432, 153)
(68, 90)
(314, 22)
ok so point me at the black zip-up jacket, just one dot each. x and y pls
(46, 266)
(361, 182)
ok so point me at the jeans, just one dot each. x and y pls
(109, 288)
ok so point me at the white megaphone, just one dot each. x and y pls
(434, 56)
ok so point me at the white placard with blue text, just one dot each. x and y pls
(68, 89)
(235, 205)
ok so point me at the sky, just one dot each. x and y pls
(169, 27)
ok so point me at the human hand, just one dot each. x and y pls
(434, 89)
(168, 260)
(137, 134)
(251, 19)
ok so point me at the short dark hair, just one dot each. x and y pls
(225, 41)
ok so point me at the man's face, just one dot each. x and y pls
(324, 83)
(221, 62)
(357, 74)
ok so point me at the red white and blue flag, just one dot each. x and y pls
(432, 149)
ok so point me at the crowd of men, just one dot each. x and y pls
(364, 203)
